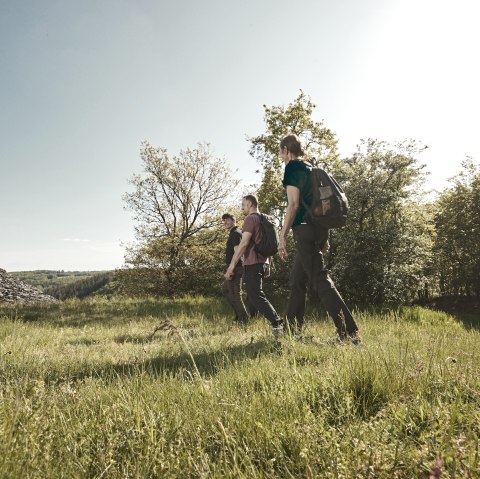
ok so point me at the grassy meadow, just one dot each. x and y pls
(89, 390)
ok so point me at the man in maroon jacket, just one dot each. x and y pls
(256, 266)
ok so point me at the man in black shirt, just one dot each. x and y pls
(308, 266)
(232, 289)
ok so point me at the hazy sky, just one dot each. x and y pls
(84, 82)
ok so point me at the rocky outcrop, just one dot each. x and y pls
(13, 290)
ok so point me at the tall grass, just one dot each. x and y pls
(87, 390)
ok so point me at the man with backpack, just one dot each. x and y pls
(256, 246)
(310, 231)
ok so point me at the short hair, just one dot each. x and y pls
(293, 144)
(228, 216)
(253, 199)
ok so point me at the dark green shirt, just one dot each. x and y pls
(298, 174)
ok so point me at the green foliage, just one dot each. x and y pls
(383, 253)
(80, 288)
(457, 224)
(177, 205)
(199, 268)
(86, 390)
(320, 146)
(46, 279)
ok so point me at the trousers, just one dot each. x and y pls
(232, 291)
(308, 270)
(254, 275)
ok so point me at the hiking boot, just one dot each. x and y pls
(355, 338)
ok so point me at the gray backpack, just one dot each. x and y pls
(329, 206)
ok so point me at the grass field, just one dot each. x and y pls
(86, 391)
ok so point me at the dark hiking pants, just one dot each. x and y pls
(253, 275)
(309, 271)
(232, 291)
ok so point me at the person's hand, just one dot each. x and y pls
(282, 248)
(229, 273)
(267, 270)
(326, 247)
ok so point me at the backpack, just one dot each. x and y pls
(268, 244)
(329, 206)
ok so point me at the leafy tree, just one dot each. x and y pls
(80, 288)
(382, 254)
(176, 203)
(320, 145)
(457, 223)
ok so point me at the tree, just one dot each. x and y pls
(383, 252)
(80, 288)
(320, 144)
(176, 204)
(457, 223)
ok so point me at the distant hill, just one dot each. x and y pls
(44, 278)
(67, 284)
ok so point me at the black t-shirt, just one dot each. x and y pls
(298, 174)
(233, 240)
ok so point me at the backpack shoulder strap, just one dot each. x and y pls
(260, 215)
(311, 176)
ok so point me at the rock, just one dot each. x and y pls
(13, 290)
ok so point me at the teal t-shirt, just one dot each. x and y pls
(298, 174)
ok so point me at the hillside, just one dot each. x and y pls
(68, 284)
(44, 279)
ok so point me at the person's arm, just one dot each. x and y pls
(238, 252)
(293, 195)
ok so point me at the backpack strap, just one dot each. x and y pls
(307, 178)
(254, 247)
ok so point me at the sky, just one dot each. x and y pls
(83, 83)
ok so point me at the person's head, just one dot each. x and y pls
(228, 221)
(291, 148)
(249, 204)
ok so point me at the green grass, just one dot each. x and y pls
(87, 391)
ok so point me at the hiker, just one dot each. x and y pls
(256, 266)
(232, 288)
(308, 267)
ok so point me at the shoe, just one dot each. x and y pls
(355, 338)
